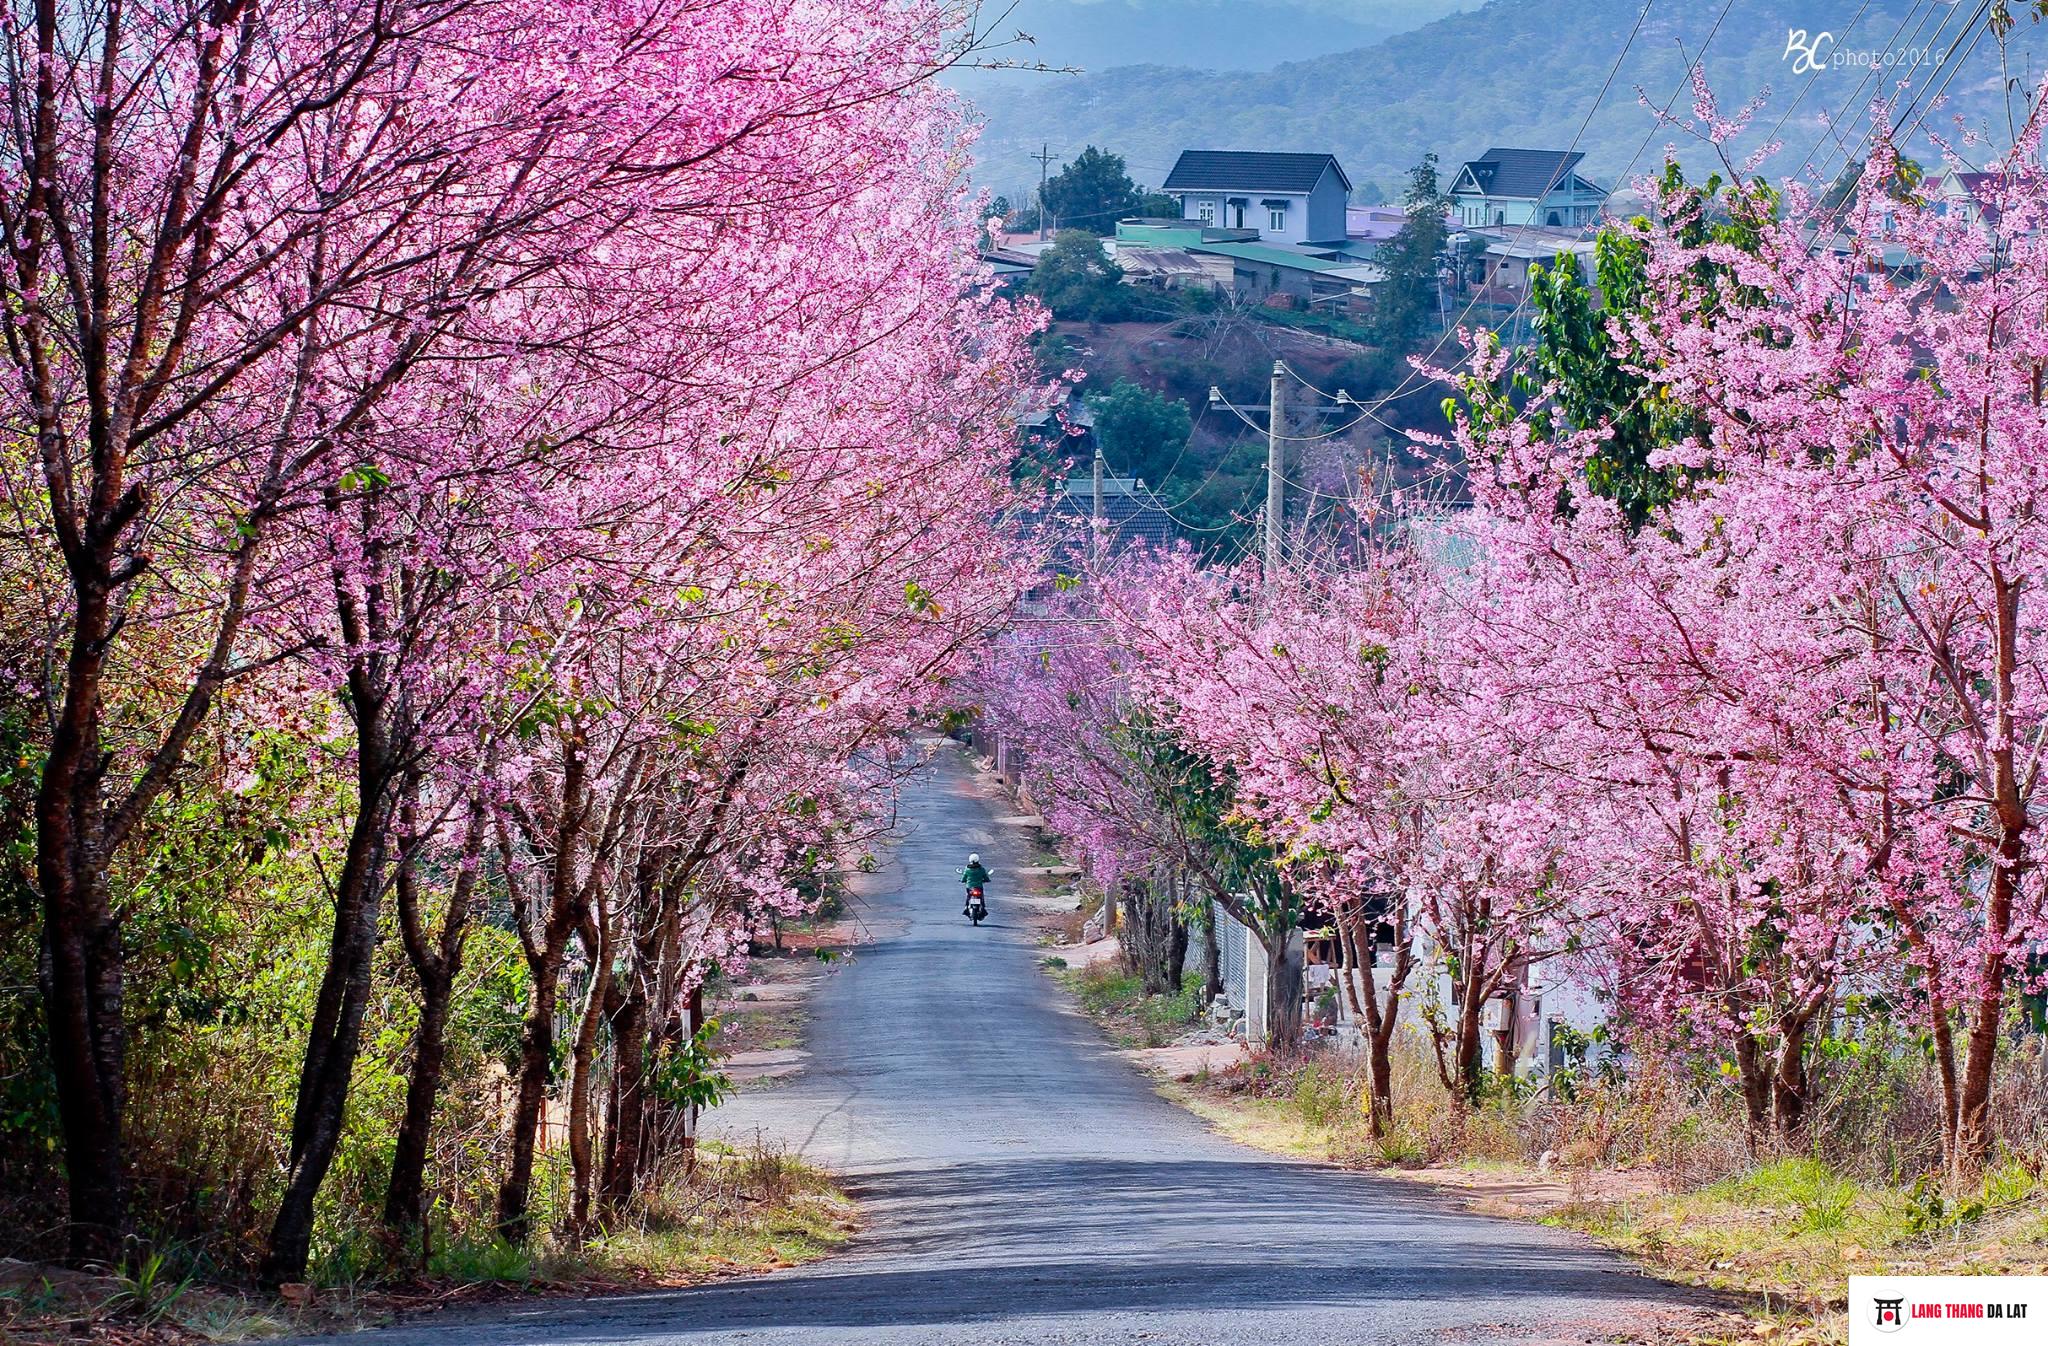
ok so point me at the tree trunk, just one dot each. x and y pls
(405, 1216)
(1470, 1010)
(546, 948)
(1756, 1084)
(582, 1058)
(696, 1026)
(336, 1035)
(1378, 1009)
(1212, 959)
(1789, 1080)
(621, 1174)
(84, 992)
(1283, 992)
(405, 1195)
(84, 1001)
(536, 1060)
(1155, 941)
(1972, 1147)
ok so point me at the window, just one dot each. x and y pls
(1208, 212)
(1276, 217)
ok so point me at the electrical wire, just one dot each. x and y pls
(1814, 78)
(1834, 125)
(1450, 328)
(1831, 122)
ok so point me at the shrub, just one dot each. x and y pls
(1323, 1095)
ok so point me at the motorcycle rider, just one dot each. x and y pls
(974, 876)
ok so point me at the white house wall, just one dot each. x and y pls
(1552, 997)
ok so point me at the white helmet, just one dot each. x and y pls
(973, 858)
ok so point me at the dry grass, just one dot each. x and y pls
(1663, 1175)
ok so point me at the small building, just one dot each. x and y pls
(1507, 260)
(1966, 196)
(1172, 268)
(1370, 228)
(1518, 187)
(1311, 275)
(1260, 272)
(1288, 198)
(1131, 512)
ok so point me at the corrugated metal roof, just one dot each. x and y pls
(1522, 173)
(1159, 261)
(1249, 171)
(1260, 252)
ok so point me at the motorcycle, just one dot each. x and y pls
(977, 906)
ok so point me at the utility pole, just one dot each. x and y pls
(1276, 467)
(1273, 526)
(1044, 157)
(1095, 510)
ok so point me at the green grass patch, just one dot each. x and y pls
(1116, 997)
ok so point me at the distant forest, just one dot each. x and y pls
(1522, 72)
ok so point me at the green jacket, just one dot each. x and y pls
(974, 876)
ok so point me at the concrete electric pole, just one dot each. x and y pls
(1095, 511)
(1044, 157)
(1276, 471)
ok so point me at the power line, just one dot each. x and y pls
(1450, 328)
(1832, 131)
(1814, 78)
(1831, 122)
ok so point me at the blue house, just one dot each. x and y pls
(1525, 187)
(1288, 198)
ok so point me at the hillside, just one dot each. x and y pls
(1092, 35)
(1511, 72)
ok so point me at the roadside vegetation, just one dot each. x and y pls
(1670, 1177)
(735, 1212)
(1112, 994)
(1657, 1160)
(451, 615)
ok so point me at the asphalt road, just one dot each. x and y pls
(1021, 1183)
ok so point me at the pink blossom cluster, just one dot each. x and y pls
(1764, 767)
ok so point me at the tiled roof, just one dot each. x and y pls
(1526, 173)
(1132, 516)
(1249, 171)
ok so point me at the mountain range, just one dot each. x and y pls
(1531, 73)
(1091, 35)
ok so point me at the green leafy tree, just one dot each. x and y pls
(1078, 282)
(1406, 305)
(1158, 206)
(1231, 863)
(1574, 353)
(1142, 433)
(1091, 193)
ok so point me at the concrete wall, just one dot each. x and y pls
(1325, 219)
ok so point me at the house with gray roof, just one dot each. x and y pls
(1506, 187)
(1289, 198)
